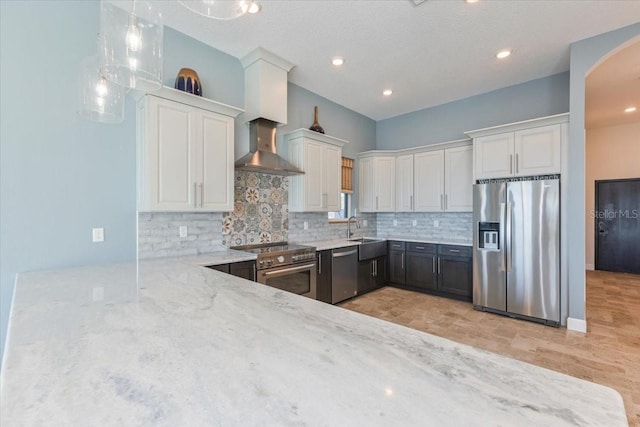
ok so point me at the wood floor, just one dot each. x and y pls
(608, 354)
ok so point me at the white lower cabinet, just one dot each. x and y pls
(376, 183)
(320, 157)
(435, 181)
(185, 156)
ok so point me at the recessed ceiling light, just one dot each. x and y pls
(503, 53)
(387, 92)
(471, 1)
(337, 61)
(630, 109)
(255, 7)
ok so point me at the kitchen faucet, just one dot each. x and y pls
(349, 232)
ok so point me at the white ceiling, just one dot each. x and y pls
(439, 51)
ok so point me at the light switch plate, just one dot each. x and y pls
(183, 231)
(395, 222)
(414, 222)
(436, 223)
(305, 225)
(364, 222)
(98, 235)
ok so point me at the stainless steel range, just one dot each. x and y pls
(291, 268)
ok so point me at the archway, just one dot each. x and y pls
(585, 56)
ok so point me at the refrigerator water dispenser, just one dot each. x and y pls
(489, 235)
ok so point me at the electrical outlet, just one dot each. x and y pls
(183, 231)
(436, 223)
(305, 225)
(414, 222)
(395, 222)
(364, 222)
(98, 293)
(98, 235)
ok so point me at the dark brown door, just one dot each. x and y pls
(617, 221)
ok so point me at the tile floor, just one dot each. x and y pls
(608, 354)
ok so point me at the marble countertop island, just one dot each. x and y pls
(190, 346)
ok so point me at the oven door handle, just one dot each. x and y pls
(289, 270)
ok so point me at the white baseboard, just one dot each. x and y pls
(590, 267)
(578, 325)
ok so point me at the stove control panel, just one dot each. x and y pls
(267, 261)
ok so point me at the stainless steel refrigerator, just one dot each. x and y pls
(516, 242)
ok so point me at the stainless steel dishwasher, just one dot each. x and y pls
(344, 273)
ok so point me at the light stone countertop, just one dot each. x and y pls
(216, 258)
(341, 243)
(192, 346)
(438, 242)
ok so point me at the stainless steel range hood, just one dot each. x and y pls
(262, 155)
(265, 99)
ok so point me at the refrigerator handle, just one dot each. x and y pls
(503, 236)
(508, 236)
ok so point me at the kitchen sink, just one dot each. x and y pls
(370, 248)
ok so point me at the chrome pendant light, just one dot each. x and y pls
(99, 99)
(221, 9)
(130, 44)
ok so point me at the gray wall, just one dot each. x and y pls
(447, 122)
(585, 55)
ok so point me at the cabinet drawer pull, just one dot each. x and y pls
(419, 247)
(433, 265)
(201, 193)
(510, 163)
(438, 265)
(446, 201)
(402, 264)
(319, 264)
(517, 168)
(454, 250)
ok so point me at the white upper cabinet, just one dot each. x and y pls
(458, 179)
(527, 148)
(376, 183)
(429, 181)
(494, 155)
(435, 180)
(320, 157)
(185, 153)
(537, 150)
(404, 183)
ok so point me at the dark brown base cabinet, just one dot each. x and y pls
(323, 268)
(444, 270)
(244, 269)
(372, 274)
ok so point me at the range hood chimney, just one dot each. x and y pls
(262, 155)
(265, 103)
